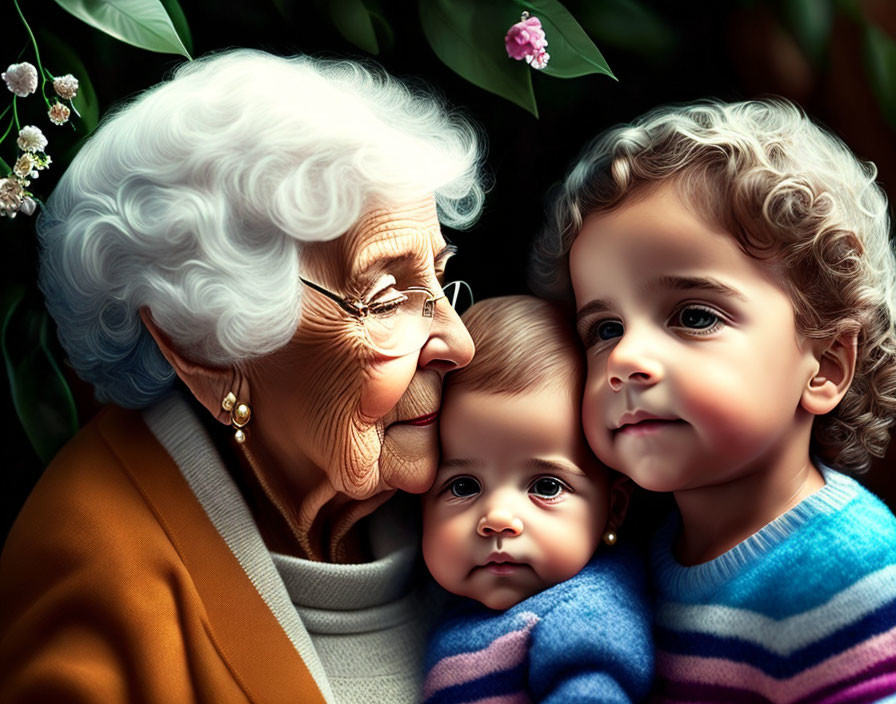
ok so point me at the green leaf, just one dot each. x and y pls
(353, 22)
(65, 60)
(880, 62)
(40, 394)
(572, 52)
(810, 21)
(143, 23)
(468, 36)
(179, 20)
(384, 34)
(628, 25)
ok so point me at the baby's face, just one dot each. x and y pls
(696, 372)
(519, 502)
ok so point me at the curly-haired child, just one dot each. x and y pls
(734, 282)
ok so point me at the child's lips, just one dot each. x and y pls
(648, 426)
(638, 423)
(501, 563)
(503, 568)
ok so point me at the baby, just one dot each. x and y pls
(518, 508)
(734, 282)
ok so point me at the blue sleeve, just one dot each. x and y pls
(595, 643)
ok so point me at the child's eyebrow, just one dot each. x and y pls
(553, 465)
(703, 283)
(452, 464)
(674, 283)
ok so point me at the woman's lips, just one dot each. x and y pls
(427, 419)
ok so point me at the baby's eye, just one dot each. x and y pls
(547, 488)
(698, 319)
(463, 487)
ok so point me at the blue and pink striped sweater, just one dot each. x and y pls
(583, 640)
(802, 611)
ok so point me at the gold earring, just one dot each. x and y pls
(240, 415)
(609, 537)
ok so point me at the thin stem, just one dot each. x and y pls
(30, 34)
(3, 114)
(15, 112)
(8, 128)
(5, 166)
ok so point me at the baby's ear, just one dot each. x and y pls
(208, 384)
(836, 367)
(620, 493)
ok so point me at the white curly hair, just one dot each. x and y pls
(193, 200)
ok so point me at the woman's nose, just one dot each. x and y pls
(499, 521)
(449, 345)
(634, 361)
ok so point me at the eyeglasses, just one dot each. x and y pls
(401, 324)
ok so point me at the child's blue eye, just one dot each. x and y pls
(609, 329)
(463, 487)
(697, 318)
(547, 487)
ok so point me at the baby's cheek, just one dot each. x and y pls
(444, 539)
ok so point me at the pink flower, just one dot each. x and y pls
(21, 79)
(58, 113)
(539, 59)
(525, 39)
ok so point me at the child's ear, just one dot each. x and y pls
(620, 493)
(836, 367)
(208, 384)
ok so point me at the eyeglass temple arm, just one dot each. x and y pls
(347, 306)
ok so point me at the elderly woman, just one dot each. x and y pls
(249, 257)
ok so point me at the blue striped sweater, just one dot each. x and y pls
(802, 611)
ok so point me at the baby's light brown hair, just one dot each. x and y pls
(523, 343)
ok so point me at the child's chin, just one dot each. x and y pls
(501, 600)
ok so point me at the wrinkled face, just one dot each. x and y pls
(695, 368)
(367, 421)
(519, 502)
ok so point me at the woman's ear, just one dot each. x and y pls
(208, 384)
(836, 367)
(620, 493)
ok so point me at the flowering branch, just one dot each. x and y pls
(21, 79)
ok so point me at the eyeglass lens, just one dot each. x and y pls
(404, 328)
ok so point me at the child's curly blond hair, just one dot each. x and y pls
(792, 195)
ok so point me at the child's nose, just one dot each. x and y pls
(499, 520)
(633, 361)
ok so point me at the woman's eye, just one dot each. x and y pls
(697, 318)
(463, 487)
(386, 302)
(547, 488)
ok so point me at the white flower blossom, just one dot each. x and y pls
(58, 113)
(21, 79)
(11, 196)
(31, 139)
(66, 86)
(26, 167)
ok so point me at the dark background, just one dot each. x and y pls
(731, 51)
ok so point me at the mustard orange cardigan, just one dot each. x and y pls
(116, 587)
